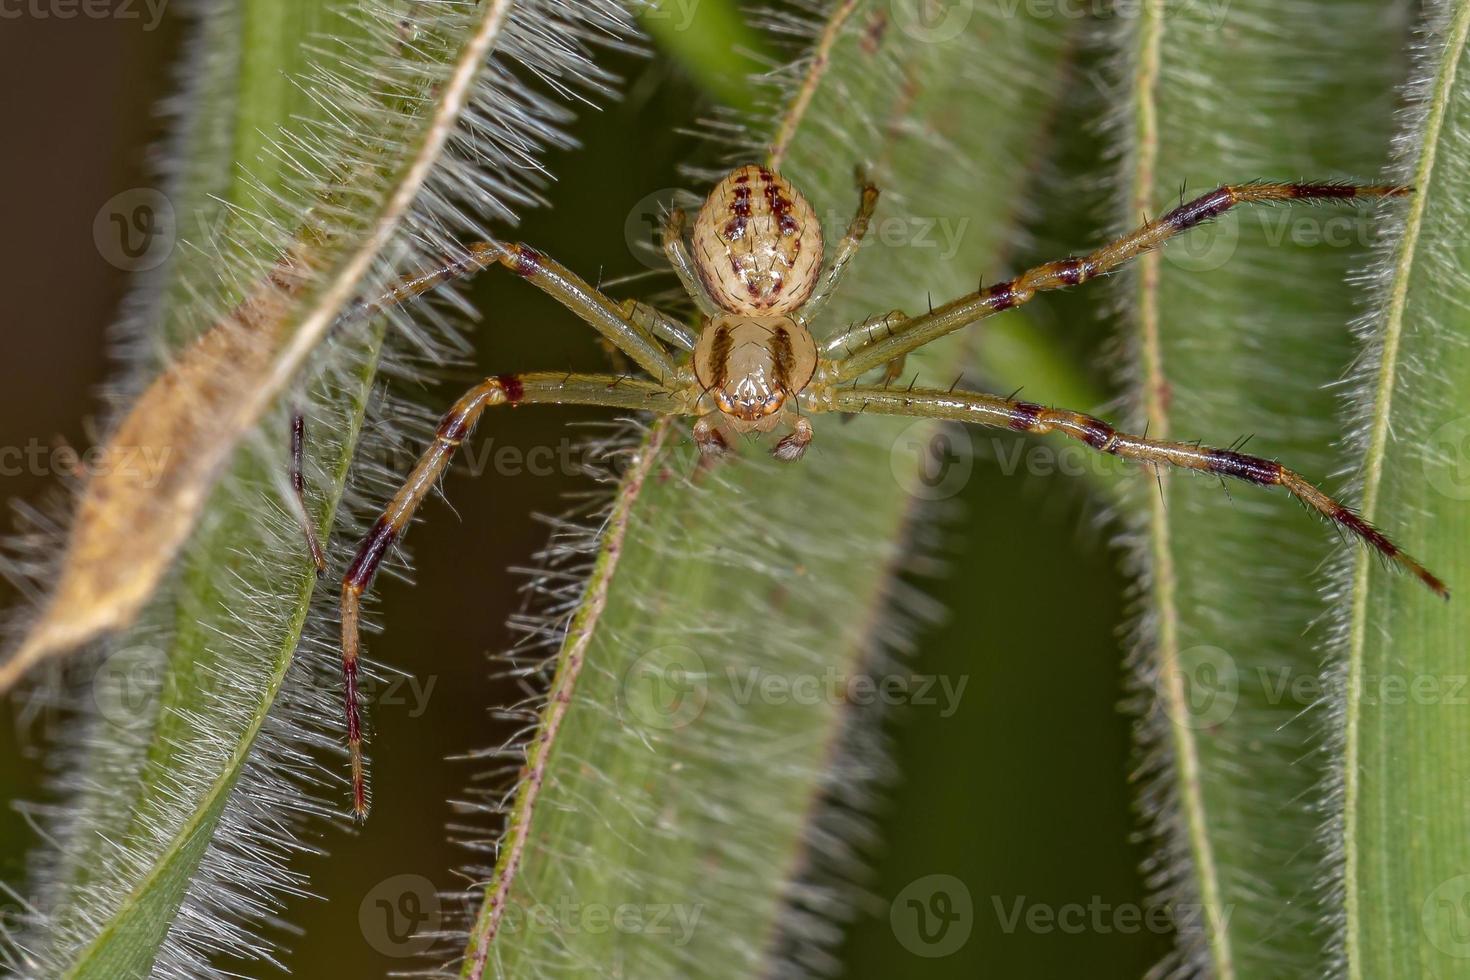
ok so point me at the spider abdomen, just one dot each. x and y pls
(750, 365)
(757, 243)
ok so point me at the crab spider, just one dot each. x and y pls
(753, 264)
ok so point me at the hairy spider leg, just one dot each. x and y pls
(998, 412)
(677, 251)
(556, 280)
(629, 327)
(656, 322)
(298, 490)
(852, 240)
(862, 348)
(553, 388)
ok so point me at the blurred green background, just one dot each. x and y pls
(1021, 793)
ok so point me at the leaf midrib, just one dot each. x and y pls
(1373, 463)
(1165, 582)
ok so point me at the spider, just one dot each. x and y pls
(753, 265)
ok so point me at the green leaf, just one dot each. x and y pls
(1241, 330)
(176, 711)
(1405, 809)
(312, 124)
(712, 42)
(680, 765)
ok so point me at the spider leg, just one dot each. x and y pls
(868, 351)
(677, 251)
(554, 388)
(856, 230)
(998, 412)
(556, 280)
(298, 491)
(654, 321)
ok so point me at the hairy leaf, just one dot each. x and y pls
(684, 769)
(1239, 331)
(329, 134)
(1399, 698)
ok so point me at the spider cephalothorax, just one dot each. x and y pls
(751, 365)
(756, 273)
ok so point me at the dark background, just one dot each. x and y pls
(1022, 794)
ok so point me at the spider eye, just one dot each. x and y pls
(772, 403)
(749, 406)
